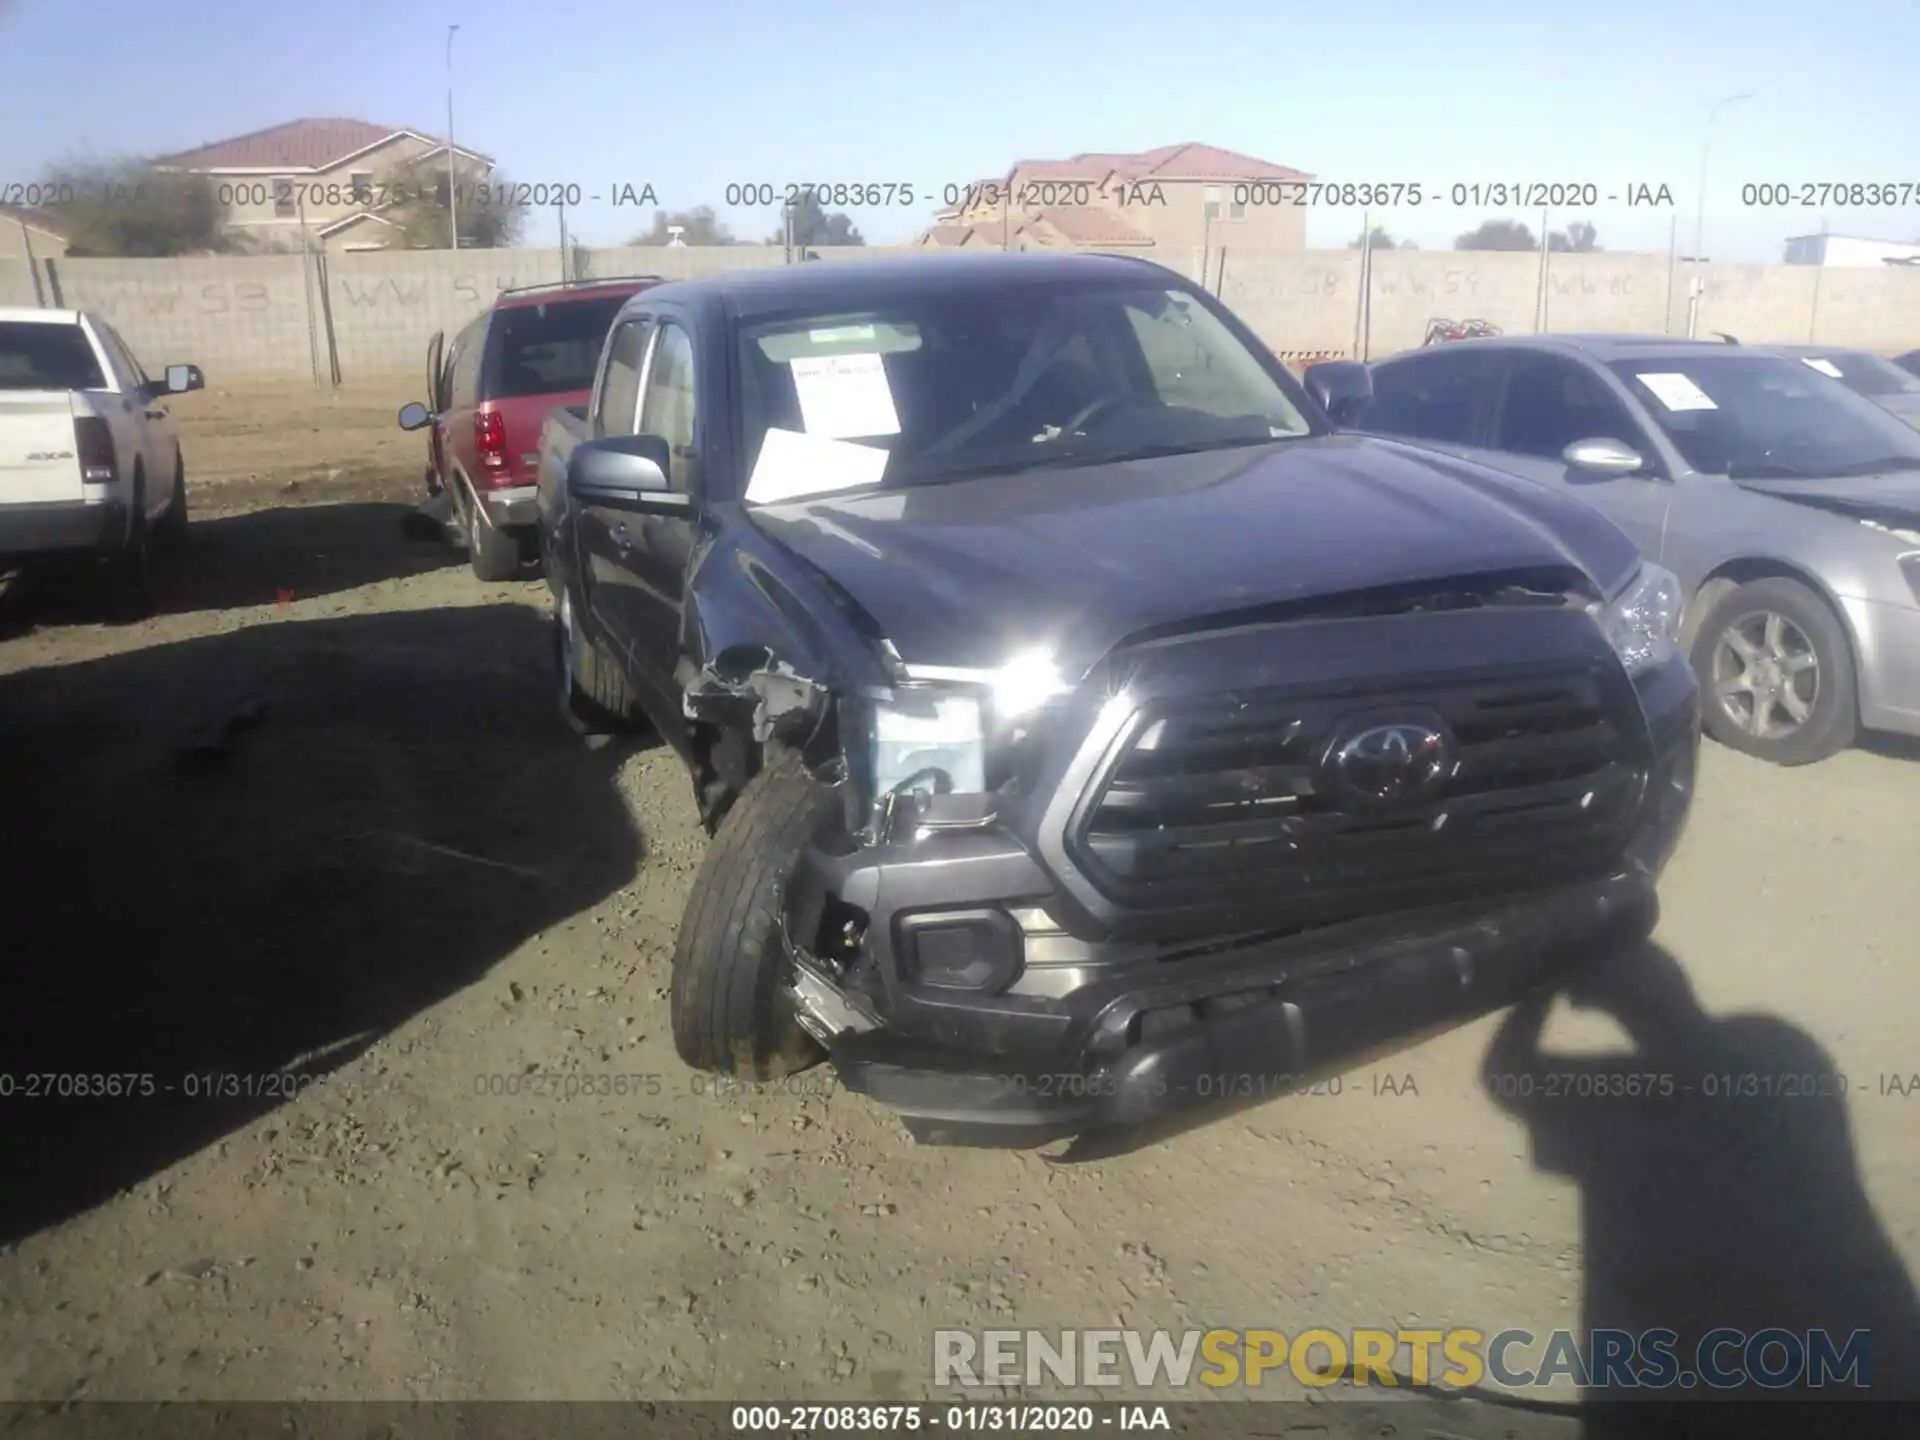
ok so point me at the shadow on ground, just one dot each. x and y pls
(231, 562)
(404, 811)
(1719, 1189)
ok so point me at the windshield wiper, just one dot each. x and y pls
(1079, 459)
(1884, 463)
(1772, 472)
(1172, 447)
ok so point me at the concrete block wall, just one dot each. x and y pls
(387, 304)
(234, 316)
(16, 283)
(270, 317)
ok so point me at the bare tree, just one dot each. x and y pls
(1498, 235)
(492, 214)
(126, 207)
(812, 225)
(698, 226)
(1579, 238)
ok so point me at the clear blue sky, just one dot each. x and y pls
(692, 96)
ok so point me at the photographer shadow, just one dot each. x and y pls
(1719, 1186)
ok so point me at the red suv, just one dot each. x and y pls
(488, 395)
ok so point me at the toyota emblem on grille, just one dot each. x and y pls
(1395, 762)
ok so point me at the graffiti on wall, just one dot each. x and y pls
(238, 297)
(362, 292)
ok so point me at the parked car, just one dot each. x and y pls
(1865, 373)
(1086, 731)
(1788, 506)
(90, 461)
(1909, 362)
(487, 396)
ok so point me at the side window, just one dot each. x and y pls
(1445, 398)
(666, 409)
(617, 404)
(1550, 403)
(119, 357)
(133, 360)
(464, 368)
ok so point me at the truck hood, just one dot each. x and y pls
(1892, 498)
(1077, 560)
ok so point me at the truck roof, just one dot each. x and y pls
(1596, 346)
(829, 283)
(32, 314)
(559, 292)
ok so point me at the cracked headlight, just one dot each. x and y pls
(936, 739)
(932, 741)
(1642, 623)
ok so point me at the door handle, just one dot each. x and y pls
(156, 414)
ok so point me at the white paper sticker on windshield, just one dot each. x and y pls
(1825, 367)
(792, 466)
(845, 397)
(1676, 391)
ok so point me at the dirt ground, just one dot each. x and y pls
(408, 881)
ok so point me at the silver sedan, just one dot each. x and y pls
(1788, 506)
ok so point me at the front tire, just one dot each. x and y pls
(1776, 673)
(731, 1002)
(130, 573)
(170, 531)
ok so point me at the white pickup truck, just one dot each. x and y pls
(90, 459)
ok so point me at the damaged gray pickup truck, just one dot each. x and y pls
(1087, 731)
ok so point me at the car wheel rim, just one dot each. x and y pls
(1766, 675)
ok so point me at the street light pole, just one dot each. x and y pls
(1706, 144)
(453, 190)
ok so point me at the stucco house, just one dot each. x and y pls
(319, 180)
(1180, 197)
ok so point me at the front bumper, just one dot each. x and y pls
(1887, 637)
(1255, 1022)
(1063, 1033)
(62, 527)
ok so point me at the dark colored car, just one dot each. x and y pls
(1881, 380)
(1086, 730)
(488, 394)
(1909, 362)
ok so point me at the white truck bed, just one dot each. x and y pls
(38, 457)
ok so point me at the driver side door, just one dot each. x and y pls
(603, 534)
(1546, 403)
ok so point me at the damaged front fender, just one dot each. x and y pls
(752, 687)
(770, 652)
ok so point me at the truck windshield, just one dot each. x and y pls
(35, 355)
(1768, 418)
(967, 382)
(549, 349)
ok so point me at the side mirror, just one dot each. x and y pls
(625, 472)
(415, 416)
(1601, 456)
(182, 378)
(1342, 388)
